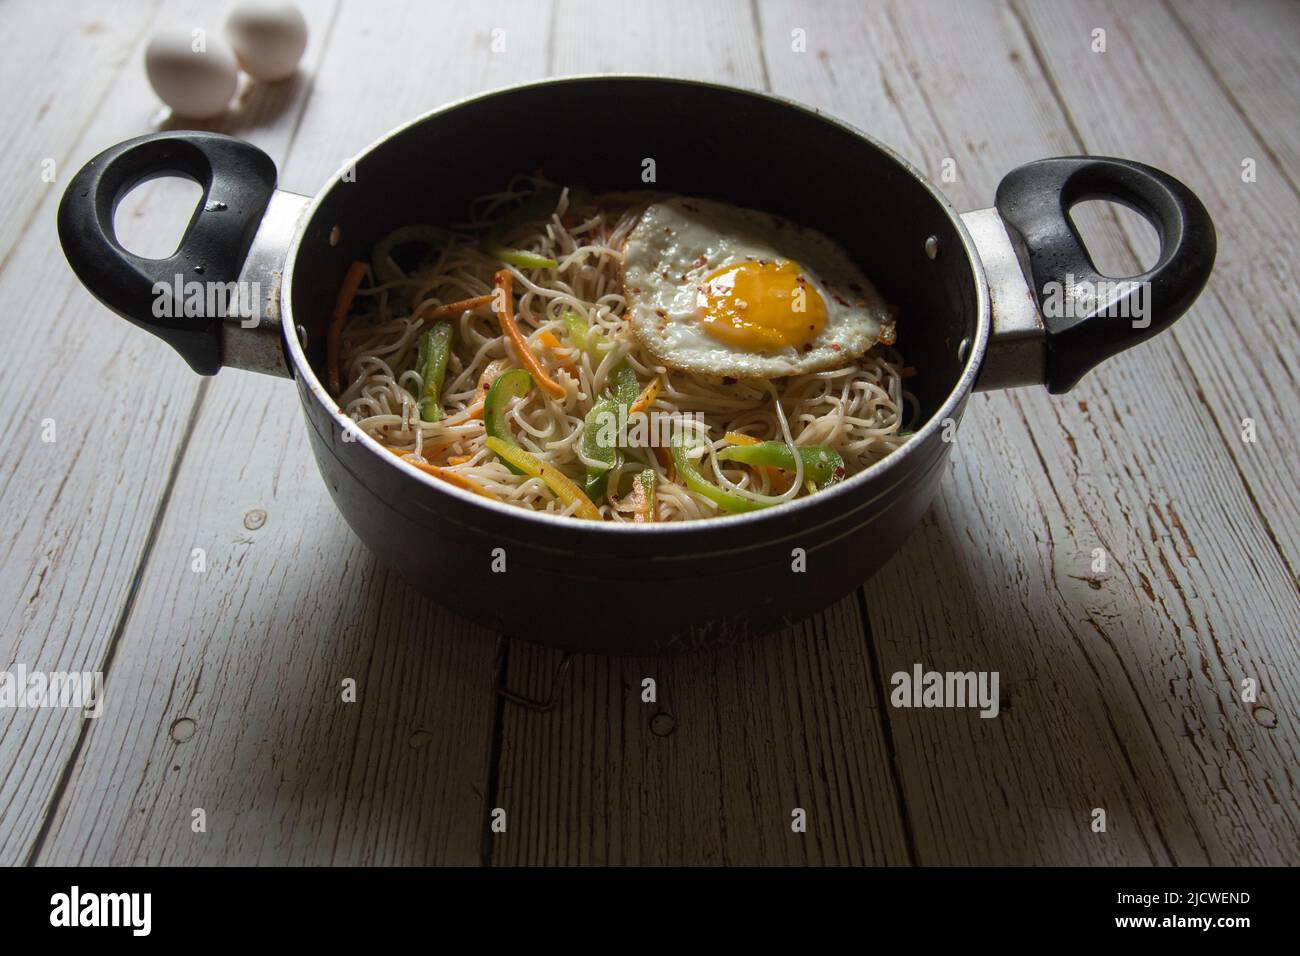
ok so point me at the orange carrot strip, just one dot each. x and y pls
(453, 310)
(555, 345)
(665, 458)
(451, 477)
(646, 398)
(505, 282)
(347, 292)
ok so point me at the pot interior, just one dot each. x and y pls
(715, 142)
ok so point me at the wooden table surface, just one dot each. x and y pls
(1121, 689)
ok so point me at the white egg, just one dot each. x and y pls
(268, 36)
(724, 291)
(193, 73)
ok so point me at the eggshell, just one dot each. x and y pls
(268, 37)
(195, 84)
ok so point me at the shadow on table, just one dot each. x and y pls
(256, 105)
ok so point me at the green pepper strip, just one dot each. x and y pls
(687, 471)
(586, 337)
(821, 463)
(595, 431)
(537, 206)
(435, 347)
(381, 260)
(515, 383)
(519, 258)
(577, 329)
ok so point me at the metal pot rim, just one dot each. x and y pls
(965, 383)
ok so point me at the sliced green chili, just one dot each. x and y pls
(519, 258)
(435, 347)
(821, 463)
(515, 383)
(602, 426)
(690, 474)
(577, 329)
(381, 260)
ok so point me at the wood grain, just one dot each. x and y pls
(122, 404)
(1001, 577)
(58, 69)
(255, 650)
(712, 771)
(791, 722)
(1120, 688)
(1252, 48)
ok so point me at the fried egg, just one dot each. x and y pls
(730, 292)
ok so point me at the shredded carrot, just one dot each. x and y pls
(646, 398)
(555, 345)
(458, 459)
(505, 282)
(665, 457)
(347, 292)
(451, 477)
(491, 372)
(453, 310)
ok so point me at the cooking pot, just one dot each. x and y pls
(996, 298)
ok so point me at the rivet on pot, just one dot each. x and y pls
(335, 233)
(302, 335)
(963, 350)
(932, 247)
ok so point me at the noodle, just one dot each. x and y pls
(857, 410)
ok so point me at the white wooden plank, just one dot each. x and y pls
(1001, 577)
(57, 68)
(1238, 355)
(1253, 49)
(288, 773)
(711, 772)
(79, 512)
(711, 40)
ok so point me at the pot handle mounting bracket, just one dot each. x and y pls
(1088, 317)
(238, 181)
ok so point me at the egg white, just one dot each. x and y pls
(678, 242)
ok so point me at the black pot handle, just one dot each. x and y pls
(1035, 200)
(237, 179)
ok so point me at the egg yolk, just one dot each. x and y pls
(760, 306)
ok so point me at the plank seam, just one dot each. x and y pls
(155, 526)
(494, 749)
(1176, 346)
(1210, 68)
(887, 729)
(1137, 695)
(757, 16)
(91, 115)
